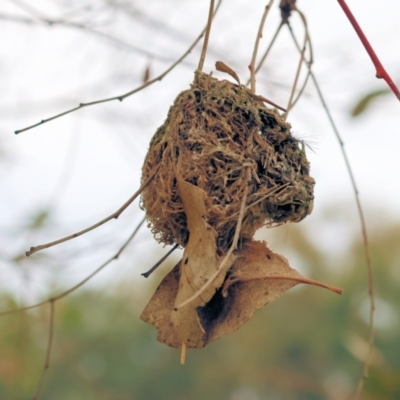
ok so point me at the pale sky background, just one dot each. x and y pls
(86, 164)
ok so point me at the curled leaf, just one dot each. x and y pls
(222, 67)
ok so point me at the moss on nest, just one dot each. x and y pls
(213, 131)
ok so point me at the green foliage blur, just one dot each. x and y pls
(308, 345)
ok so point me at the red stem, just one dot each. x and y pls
(380, 70)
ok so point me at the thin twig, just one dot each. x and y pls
(159, 25)
(130, 93)
(114, 215)
(296, 79)
(48, 351)
(302, 53)
(362, 223)
(301, 91)
(159, 262)
(268, 194)
(206, 37)
(310, 60)
(17, 18)
(44, 20)
(81, 283)
(252, 66)
(380, 70)
(265, 100)
(230, 251)
(264, 57)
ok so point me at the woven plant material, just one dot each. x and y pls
(213, 131)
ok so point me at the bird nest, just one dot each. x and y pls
(213, 132)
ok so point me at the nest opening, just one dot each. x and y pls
(213, 131)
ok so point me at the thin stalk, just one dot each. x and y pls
(252, 65)
(159, 262)
(206, 37)
(364, 233)
(48, 351)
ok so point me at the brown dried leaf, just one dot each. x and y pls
(222, 67)
(158, 310)
(199, 262)
(257, 278)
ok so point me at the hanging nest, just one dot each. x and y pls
(213, 132)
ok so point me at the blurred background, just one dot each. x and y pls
(73, 171)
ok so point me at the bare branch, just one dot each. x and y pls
(134, 12)
(263, 99)
(81, 283)
(130, 93)
(206, 37)
(159, 262)
(252, 66)
(41, 19)
(380, 70)
(48, 351)
(362, 223)
(114, 215)
(301, 60)
(264, 57)
(310, 60)
(18, 19)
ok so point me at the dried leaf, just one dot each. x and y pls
(199, 262)
(246, 289)
(222, 67)
(158, 310)
(257, 278)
